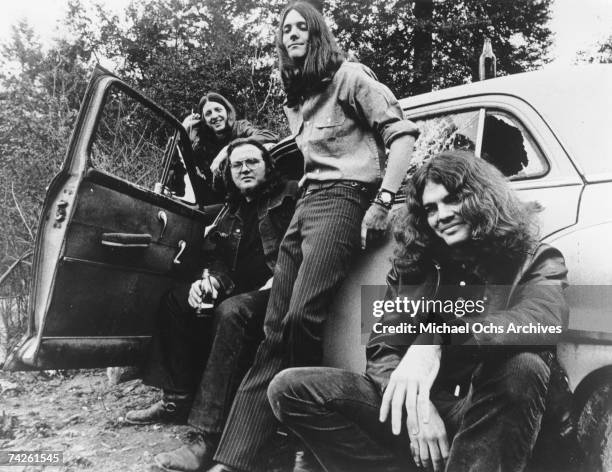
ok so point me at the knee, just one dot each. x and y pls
(291, 392)
(282, 387)
(524, 379)
(232, 311)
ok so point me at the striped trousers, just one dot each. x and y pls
(314, 259)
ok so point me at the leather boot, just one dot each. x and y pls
(172, 408)
(194, 457)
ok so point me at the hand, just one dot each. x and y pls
(199, 288)
(215, 165)
(409, 387)
(267, 285)
(374, 225)
(191, 120)
(430, 446)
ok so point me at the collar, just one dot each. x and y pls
(290, 190)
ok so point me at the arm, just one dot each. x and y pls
(409, 387)
(430, 447)
(244, 129)
(376, 217)
(378, 108)
(415, 368)
(400, 154)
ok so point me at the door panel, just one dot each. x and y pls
(108, 245)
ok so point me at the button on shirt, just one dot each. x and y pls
(343, 131)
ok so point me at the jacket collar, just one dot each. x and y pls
(289, 191)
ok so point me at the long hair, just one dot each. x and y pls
(273, 179)
(229, 108)
(503, 227)
(323, 57)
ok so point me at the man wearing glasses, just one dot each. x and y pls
(198, 358)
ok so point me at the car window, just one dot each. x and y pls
(134, 143)
(444, 132)
(508, 146)
(494, 135)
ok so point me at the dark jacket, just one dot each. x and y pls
(275, 211)
(532, 292)
(206, 145)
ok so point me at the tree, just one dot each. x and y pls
(41, 91)
(601, 55)
(175, 51)
(394, 38)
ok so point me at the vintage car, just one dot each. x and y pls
(112, 240)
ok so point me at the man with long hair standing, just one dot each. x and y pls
(342, 119)
(471, 396)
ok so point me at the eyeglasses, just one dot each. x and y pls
(248, 163)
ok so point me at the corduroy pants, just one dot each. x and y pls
(493, 427)
(314, 258)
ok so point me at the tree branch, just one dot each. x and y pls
(20, 213)
(14, 265)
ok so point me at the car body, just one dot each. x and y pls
(108, 247)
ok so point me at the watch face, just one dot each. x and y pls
(385, 197)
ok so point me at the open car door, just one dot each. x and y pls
(111, 238)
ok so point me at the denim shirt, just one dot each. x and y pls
(220, 247)
(343, 130)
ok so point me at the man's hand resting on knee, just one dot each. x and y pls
(429, 447)
(409, 387)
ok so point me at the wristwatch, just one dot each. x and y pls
(384, 198)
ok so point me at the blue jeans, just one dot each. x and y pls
(314, 259)
(493, 427)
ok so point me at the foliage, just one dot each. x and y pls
(601, 55)
(39, 101)
(174, 51)
(382, 34)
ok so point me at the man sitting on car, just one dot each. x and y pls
(240, 253)
(453, 390)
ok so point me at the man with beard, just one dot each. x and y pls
(240, 253)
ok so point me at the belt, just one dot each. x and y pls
(312, 186)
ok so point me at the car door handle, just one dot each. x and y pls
(181, 246)
(163, 219)
(126, 240)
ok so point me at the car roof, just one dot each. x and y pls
(575, 102)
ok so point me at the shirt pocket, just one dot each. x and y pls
(329, 117)
(329, 131)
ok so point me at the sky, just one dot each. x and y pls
(576, 24)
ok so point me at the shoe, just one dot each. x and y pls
(305, 461)
(160, 412)
(222, 468)
(194, 457)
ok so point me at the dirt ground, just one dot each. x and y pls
(80, 414)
